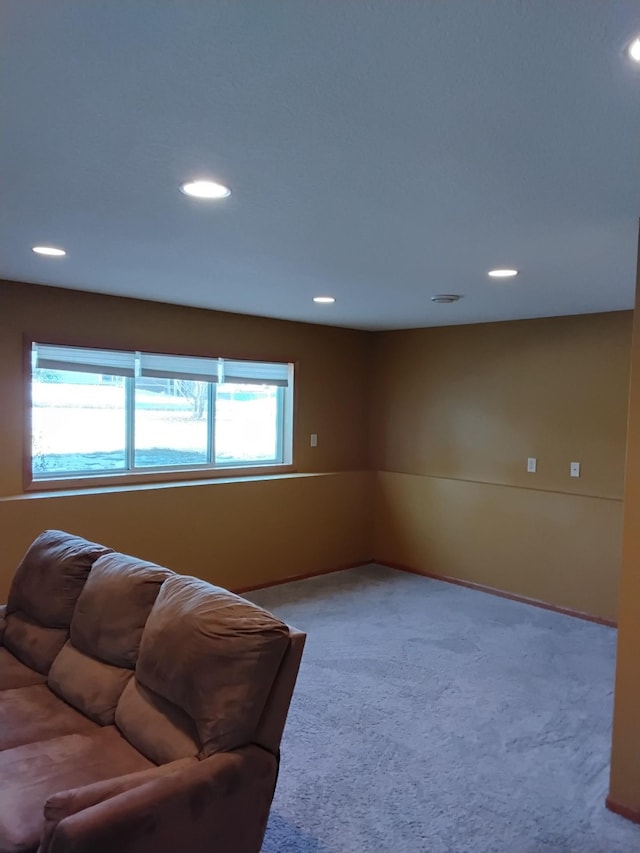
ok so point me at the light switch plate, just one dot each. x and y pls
(314, 439)
(532, 465)
(575, 469)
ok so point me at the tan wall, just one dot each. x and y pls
(235, 534)
(248, 533)
(332, 391)
(625, 757)
(456, 413)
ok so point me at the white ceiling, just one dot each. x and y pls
(379, 151)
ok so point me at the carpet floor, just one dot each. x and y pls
(429, 718)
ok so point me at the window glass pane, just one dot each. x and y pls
(171, 422)
(78, 422)
(247, 423)
(85, 422)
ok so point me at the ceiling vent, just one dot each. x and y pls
(445, 298)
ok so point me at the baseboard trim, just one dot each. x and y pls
(301, 577)
(512, 596)
(624, 811)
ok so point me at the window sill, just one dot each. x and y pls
(154, 480)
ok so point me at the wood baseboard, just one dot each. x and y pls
(302, 577)
(624, 811)
(512, 596)
(523, 599)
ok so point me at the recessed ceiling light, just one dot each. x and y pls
(205, 189)
(51, 251)
(444, 298)
(324, 300)
(634, 50)
(500, 273)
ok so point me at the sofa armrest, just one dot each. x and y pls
(218, 805)
(3, 622)
(59, 806)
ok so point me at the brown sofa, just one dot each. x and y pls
(141, 711)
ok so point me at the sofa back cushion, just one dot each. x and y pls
(214, 656)
(32, 643)
(93, 668)
(114, 606)
(90, 685)
(157, 728)
(44, 593)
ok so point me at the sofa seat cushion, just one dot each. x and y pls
(13, 673)
(32, 773)
(31, 714)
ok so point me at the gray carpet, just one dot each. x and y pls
(433, 718)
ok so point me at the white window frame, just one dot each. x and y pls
(133, 364)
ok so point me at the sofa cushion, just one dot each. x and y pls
(90, 685)
(93, 668)
(13, 673)
(155, 726)
(50, 577)
(30, 714)
(43, 596)
(32, 773)
(214, 655)
(36, 645)
(114, 606)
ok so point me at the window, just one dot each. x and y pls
(107, 411)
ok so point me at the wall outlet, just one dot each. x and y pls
(532, 465)
(314, 440)
(574, 469)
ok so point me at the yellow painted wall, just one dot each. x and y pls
(452, 415)
(332, 390)
(239, 534)
(456, 413)
(234, 534)
(625, 756)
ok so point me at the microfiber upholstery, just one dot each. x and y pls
(36, 645)
(212, 654)
(114, 606)
(138, 708)
(43, 596)
(31, 714)
(90, 685)
(14, 673)
(218, 805)
(32, 773)
(65, 803)
(158, 728)
(51, 576)
(93, 668)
